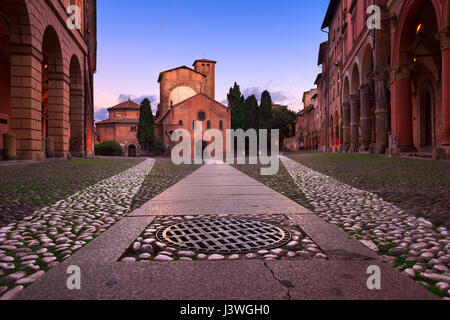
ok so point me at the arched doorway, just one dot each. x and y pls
(76, 111)
(5, 81)
(132, 151)
(54, 113)
(355, 112)
(426, 119)
(417, 56)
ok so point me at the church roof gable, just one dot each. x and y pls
(127, 105)
(182, 67)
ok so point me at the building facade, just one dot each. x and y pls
(188, 95)
(121, 126)
(311, 121)
(388, 88)
(46, 77)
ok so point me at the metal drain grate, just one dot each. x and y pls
(224, 236)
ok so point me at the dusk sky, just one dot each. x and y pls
(260, 44)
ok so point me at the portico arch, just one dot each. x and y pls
(55, 112)
(417, 59)
(76, 112)
(355, 109)
(5, 82)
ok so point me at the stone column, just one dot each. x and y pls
(444, 36)
(366, 125)
(401, 107)
(346, 125)
(381, 111)
(354, 123)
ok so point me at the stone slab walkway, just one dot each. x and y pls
(221, 189)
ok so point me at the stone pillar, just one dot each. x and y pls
(346, 126)
(58, 111)
(366, 125)
(26, 107)
(381, 111)
(77, 139)
(354, 122)
(444, 36)
(402, 107)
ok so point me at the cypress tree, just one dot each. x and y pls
(146, 127)
(251, 109)
(237, 105)
(265, 111)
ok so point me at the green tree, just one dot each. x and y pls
(284, 120)
(237, 105)
(251, 109)
(146, 127)
(265, 111)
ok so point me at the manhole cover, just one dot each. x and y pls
(224, 236)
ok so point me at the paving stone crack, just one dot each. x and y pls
(285, 283)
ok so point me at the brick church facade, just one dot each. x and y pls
(46, 79)
(188, 95)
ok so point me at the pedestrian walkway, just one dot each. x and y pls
(220, 190)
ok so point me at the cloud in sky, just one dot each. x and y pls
(102, 113)
(154, 99)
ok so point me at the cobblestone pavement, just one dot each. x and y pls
(50, 235)
(148, 248)
(30, 187)
(413, 244)
(420, 187)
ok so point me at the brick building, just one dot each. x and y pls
(188, 95)
(121, 126)
(46, 77)
(388, 82)
(311, 119)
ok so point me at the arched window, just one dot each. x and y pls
(208, 68)
(221, 125)
(180, 123)
(208, 124)
(203, 68)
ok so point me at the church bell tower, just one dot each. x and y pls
(208, 68)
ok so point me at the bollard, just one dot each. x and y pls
(10, 146)
(49, 147)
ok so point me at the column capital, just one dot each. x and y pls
(401, 72)
(380, 73)
(444, 37)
